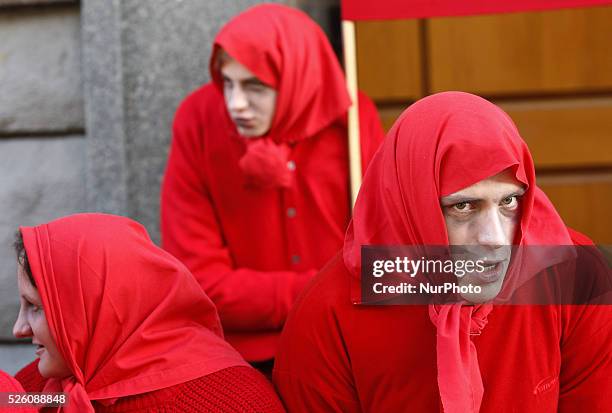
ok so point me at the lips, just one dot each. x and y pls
(244, 123)
(492, 272)
(40, 349)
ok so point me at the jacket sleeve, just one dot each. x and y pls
(246, 299)
(586, 359)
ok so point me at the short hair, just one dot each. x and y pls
(221, 57)
(22, 257)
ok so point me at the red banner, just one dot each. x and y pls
(407, 9)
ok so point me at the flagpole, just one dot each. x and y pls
(350, 65)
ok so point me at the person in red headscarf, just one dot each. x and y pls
(255, 197)
(454, 171)
(121, 325)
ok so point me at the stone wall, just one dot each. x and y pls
(40, 71)
(42, 144)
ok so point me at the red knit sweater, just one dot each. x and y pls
(234, 389)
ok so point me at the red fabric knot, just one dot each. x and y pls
(479, 318)
(265, 164)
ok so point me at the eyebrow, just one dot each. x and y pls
(31, 298)
(253, 81)
(457, 199)
(28, 298)
(247, 81)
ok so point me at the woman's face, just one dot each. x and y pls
(250, 102)
(32, 322)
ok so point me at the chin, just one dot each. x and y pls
(49, 370)
(487, 294)
(43, 369)
(250, 133)
(488, 291)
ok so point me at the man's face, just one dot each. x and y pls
(32, 322)
(250, 103)
(481, 221)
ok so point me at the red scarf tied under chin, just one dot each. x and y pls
(126, 316)
(459, 378)
(264, 164)
(440, 145)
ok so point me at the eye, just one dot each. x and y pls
(34, 308)
(256, 88)
(510, 202)
(462, 206)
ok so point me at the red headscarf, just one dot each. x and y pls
(439, 145)
(127, 317)
(289, 52)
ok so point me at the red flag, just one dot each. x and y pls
(406, 9)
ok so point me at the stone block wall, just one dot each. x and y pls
(42, 143)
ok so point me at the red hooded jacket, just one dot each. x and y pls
(253, 249)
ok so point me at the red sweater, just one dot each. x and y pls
(338, 357)
(253, 250)
(234, 389)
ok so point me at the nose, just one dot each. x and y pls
(21, 328)
(491, 231)
(237, 99)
